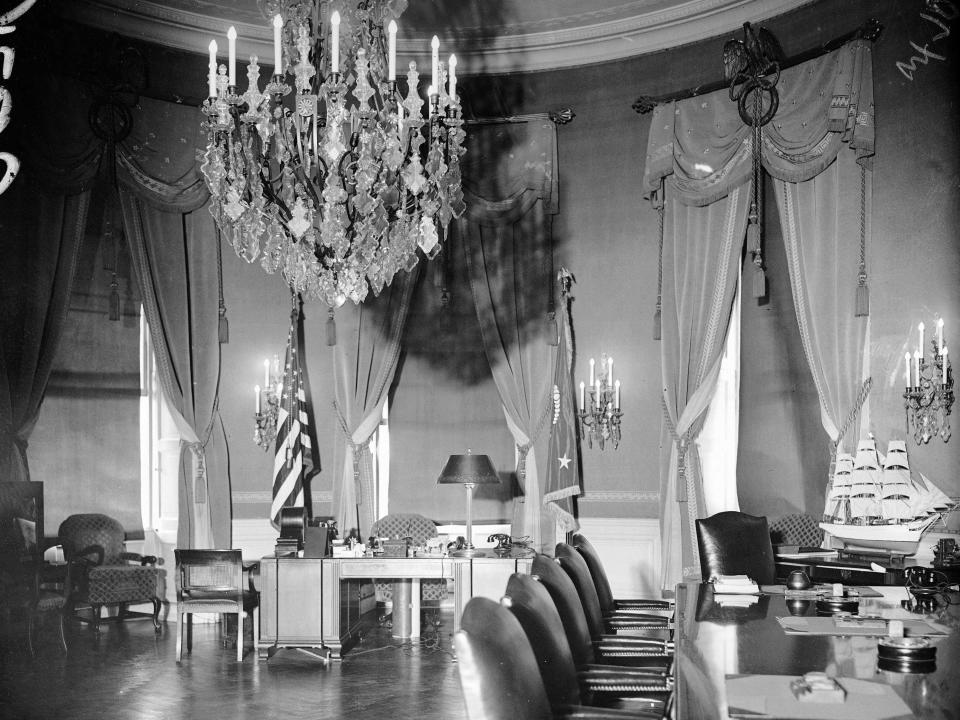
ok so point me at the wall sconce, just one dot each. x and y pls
(929, 395)
(600, 406)
(268, 404)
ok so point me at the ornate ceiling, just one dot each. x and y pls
(489, 36)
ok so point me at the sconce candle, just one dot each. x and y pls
(928, 398)
(256, 391)
(906, 367)
(392, 50)
(599, 414)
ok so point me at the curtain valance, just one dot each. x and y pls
(702, 147)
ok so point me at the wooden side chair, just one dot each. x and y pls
(211, 581)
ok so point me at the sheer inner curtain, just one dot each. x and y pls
(510, 179)
(699, 164)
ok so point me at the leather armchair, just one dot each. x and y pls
(735, 543)
(101, 572)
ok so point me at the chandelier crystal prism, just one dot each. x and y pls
(337, 180)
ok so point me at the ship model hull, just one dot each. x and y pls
(898, 539)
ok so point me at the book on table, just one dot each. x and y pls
(735, 585)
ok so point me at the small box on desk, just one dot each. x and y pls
(394, 548)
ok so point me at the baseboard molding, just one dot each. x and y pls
(630, 551)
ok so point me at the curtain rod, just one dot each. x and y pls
(870, 30)
(557, 117)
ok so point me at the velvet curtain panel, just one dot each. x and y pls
(699, 162)
(510, 188)
(41, 240)
(364, 360)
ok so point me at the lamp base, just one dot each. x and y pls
(468, 551)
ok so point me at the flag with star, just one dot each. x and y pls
(563, 473)
(293, 461)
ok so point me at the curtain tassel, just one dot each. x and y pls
(223, 329)
(114, 310)
(863, 298)
(553, 334)
(657, 323)
(753, 245)
(759, 281)
(331, 329)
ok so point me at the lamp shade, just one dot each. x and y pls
(464, 469)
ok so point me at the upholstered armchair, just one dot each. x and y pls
(397, 526)
(101, 572)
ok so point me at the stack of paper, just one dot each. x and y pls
(734, 585)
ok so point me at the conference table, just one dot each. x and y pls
(734, 658)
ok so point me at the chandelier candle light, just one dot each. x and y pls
(338, 188)
(268, 404)
(600, 406)
(929, 395)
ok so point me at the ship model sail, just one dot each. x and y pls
(876, 504)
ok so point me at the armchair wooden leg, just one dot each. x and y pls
(189, 632)
(240, 636)
(156, 614)
(179, 635)
(30, 633)
(96, 618)
(63, 637)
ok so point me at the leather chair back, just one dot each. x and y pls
(499, 676)
(599, 575)
(531, 604)
(735, 543)
(576, 567)
(567, 603)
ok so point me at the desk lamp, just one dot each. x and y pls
(468, 470)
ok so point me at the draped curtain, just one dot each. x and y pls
(41, 240)
(364, 362)
(43, 214)
(699, 164)
(510, 179)
(151, 173)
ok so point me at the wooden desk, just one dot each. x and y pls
(305, 602)
(859, 572)
(713, 642)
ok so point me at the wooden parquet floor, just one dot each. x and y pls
(130, 673)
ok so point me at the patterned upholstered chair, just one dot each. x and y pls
(100, 571)
(801, 530)
(397, 526)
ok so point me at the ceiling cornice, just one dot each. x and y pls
(657, 29)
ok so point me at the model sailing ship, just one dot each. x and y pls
(877, 505)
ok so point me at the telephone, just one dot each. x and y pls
(504, 542)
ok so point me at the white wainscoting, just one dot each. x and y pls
(630, 551)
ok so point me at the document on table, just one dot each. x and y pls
(769, 696)
(857, 625)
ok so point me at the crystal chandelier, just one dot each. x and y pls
(599, 412)
(928, 398)
(337, 180)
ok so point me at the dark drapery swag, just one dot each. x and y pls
(817, 150)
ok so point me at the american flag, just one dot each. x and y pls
(293, 461)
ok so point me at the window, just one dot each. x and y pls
(159, 448)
